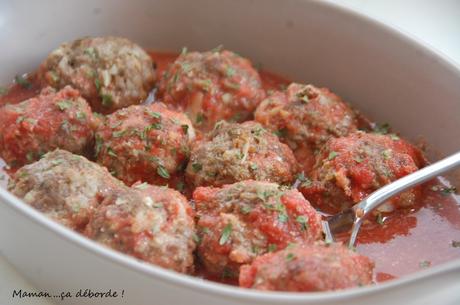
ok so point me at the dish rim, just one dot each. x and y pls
(232, 292)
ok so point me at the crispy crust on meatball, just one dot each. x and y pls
(348, 169)
(110, 72)
(145, 143)
(238, 222)
(212, 86)
(305, 117)
(152, 223)
(43, 123)
(308, 268)
(235, 152)
(63, 186)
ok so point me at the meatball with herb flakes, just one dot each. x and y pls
(110, 72)
(235, 152)
(43, 123)
(308, 268)
(63, 186)
(238, 222)
(146, 143)
(212, 86)
(305, 117)
(348, 169)
(152, 223)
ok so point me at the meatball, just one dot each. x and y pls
(43, 123)
(305, 117)
(212, 86)
(238, 222)
(110, 72)
(63, 186)
(235, 152)
(144, 143)
(308, 268)
(152, 223)
(348, 169)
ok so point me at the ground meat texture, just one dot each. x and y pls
(63, 186)
(308, 268)
(349, 169)
(238, 222)
(43, 123)
(110, 72)
(212, 86)
(145, 143)
(305, 117)
(235, 152)
(152, 223)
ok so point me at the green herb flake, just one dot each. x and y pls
(185, 128)
(180, 186)
(358, 159)
(272, 247)
(97, 83)
(197, 167)
(23, 82)
(30, 156)
(99, 142)
(142, 186)
(91, 52)
(217, 49)
(230, 71)
(163, 172)
(111, 152)
(448, 190)
(281, 133)
(382, 129)
(119, 134)
(20, 119)
(332, 155)
(282, 217)
(245, 209)
(196, 238)
(81, 116)
(107, 100)
(394, 137)
(64, 104)
(290, 257)
(227, 273)
(225, 234)
(387, 154)
(303, 221)
(200, 118)
(424, 264)
(183, 51)
(253, 166)
(379, 219)
(155, 114)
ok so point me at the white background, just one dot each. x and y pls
(435, 22)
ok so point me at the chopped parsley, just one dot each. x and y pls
(386, 154)
(272, 247)
(200, 118)
(304, 181)
(332, 155)
(97, 83)
(183, 51)
(281, 132)
(253, 166)
(142, 186)
(382, 129)
(107, 100)
(245, 209)
(230, 71)
(358, 159)
(282, 217)
(162, 172)
(118, 134)
(444, 190)
(424, 264)
(99, 142)
(64, 104)
(111, 153)
(394, 137)
(81, 116)
(379, 219)
(196, 238)
(225, 234)
(303, 221)
(197, 167)
(303, 97)
(155, 114)
(290, 257)
(23, 82)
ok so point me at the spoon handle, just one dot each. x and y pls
(383, 194)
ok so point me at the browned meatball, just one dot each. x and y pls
(348, 169)
(145, 143)
(212, 86)
(308, 268)
(110, 72)
(43, 123)
(236, 152)
(238, 222)
(305, 117)
(63, 186)
(152, 223)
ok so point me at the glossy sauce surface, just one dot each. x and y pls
(400, 243)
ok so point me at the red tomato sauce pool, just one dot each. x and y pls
(400, 243)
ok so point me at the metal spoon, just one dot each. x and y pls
(354, 216)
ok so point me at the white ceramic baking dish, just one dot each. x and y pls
(389, 76)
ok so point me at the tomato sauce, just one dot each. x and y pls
(400, 243)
